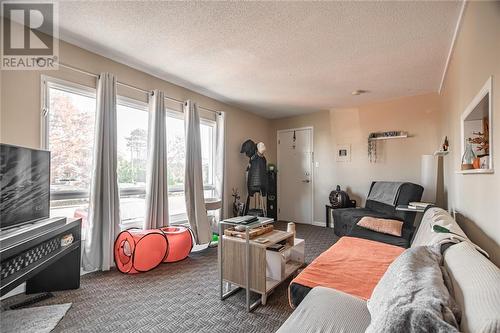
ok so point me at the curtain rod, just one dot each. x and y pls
(147, 92)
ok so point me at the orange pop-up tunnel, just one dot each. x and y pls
(180, 242)
(139, 250)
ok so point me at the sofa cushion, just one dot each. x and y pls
(384, 226)
(403, 241)
(328, 310)
(346, 218)
(476, 288)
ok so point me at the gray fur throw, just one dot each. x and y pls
(412, 296)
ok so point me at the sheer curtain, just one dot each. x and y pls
(104, 207)
(193, 180)
(156, 181)
(219, 160)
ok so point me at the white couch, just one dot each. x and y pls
(475, 285)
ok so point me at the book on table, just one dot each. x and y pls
(242, 219)
(415, 204)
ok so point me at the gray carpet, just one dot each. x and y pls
(177, 297)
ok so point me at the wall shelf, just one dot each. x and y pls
(388, 137)
(475, 171)
(441, 153)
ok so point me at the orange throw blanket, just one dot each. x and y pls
(352, 265)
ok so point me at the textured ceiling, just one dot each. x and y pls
(274, 58)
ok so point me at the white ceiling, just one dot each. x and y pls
(275, 59)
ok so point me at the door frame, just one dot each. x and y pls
(312, 166)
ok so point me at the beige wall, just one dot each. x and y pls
(20, 106)
(476, 56)
(399, 159)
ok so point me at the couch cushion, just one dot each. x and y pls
(476, 287)
(328, 310)
(346, 218)
(403, 241)
(384, 226)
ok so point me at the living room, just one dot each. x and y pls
(185, 157)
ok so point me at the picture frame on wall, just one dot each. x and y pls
(343, 153)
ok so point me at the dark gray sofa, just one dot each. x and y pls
(382, 200)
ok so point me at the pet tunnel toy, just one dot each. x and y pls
(180, 242)
(139, 250)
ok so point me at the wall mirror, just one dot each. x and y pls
(477, 133)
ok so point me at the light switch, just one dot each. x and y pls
(316, 164)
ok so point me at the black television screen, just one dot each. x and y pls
(24, 185)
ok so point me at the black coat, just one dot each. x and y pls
(257, 175)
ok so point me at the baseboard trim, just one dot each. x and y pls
(319, 224)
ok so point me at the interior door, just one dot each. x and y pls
(295, 179)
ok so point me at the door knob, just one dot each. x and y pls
(306, 181)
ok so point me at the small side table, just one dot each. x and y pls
(419, 210)
(243, 262)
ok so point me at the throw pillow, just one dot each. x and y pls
(412, 296)
(385, 226)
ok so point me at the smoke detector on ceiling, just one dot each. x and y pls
(359, 92)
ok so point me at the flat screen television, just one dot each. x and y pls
(24, 185)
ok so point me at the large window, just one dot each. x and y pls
(68, 131)
(132, 143)
(176, 154)
(69, 135)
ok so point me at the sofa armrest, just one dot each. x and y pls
(328, 310)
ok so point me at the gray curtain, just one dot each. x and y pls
(104, 207)
(219, 160)
(156, 181)
(193, 180)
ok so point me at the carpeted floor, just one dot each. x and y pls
(178, 297)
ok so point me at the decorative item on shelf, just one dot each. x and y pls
(340, 199)
(446, 144)
(476, 163)
(372, 151)
(485, 162)
(482, 138)
(468, 157)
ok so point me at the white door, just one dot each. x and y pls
(295, 179)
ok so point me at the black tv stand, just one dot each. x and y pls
(39, 260)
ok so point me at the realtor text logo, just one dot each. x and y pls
(29, 36)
